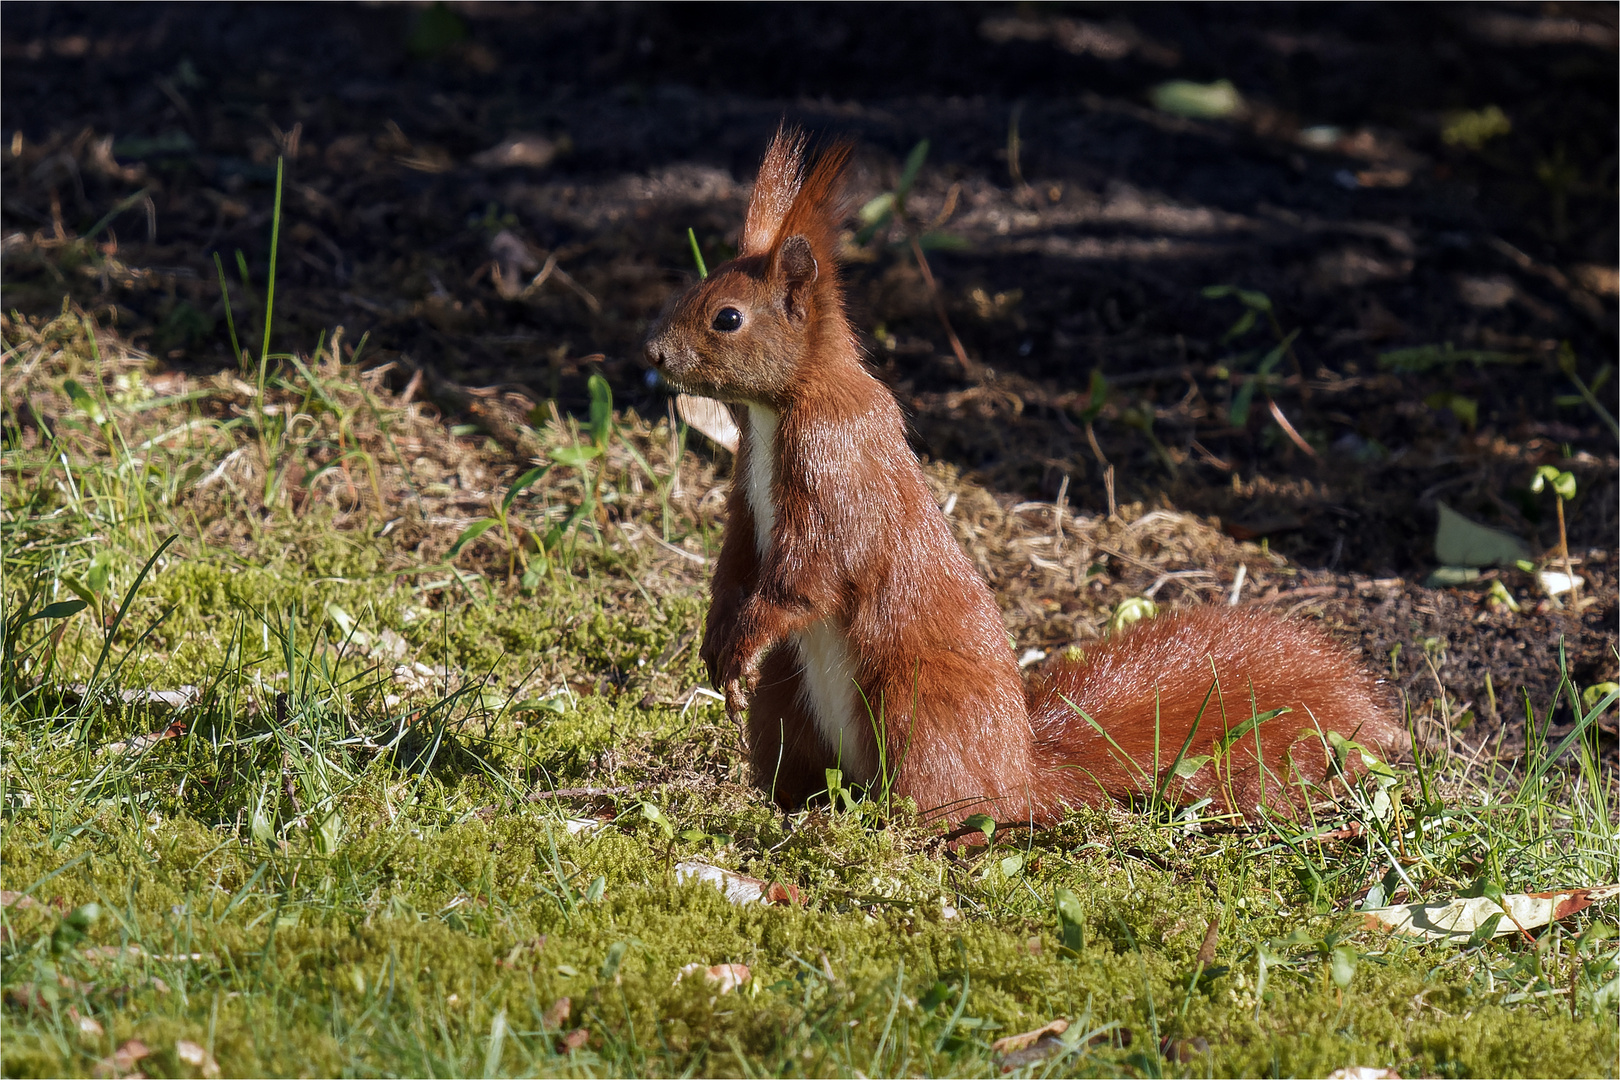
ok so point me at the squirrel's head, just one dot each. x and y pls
(744, 333)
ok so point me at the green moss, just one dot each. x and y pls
(341, 868)
(396, 952)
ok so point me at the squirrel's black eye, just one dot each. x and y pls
(727, 320)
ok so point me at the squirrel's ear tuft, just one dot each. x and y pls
(780, 176)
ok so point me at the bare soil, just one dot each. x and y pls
(1084, 244)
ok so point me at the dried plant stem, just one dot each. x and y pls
(971, 369)
(1563, 550)
(1288, 429)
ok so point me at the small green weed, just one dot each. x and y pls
(1265, 379)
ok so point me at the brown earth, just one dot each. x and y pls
(439, 160)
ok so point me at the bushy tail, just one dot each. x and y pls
(1236, 705)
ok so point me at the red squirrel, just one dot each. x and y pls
(854, 632)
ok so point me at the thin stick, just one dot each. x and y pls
(1563, 549)
(1057, 512)
(583, 792)
(1288, 429)
(969, 368)
(1015, 173)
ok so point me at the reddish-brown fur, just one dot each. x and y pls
(866, 638)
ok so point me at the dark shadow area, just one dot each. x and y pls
(1434, 179)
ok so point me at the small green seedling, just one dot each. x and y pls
(836, 790)
(600, 430)
(654, 814)
(1218, 100)
(983, 822)
(1257, 304)
(890, 205)
(1071, 920)
(1563, 485)
(1131, 610)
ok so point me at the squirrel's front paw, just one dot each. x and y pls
(741, 673)
(736, 700)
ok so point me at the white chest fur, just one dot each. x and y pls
(824, 653)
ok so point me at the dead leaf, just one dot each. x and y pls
(576, 1039)
(21, 901)
(139, 744)
(96, 954)
(1364, 1072)
(1456, 920)
(711, 418)
(1206, 951)
(738, 888)
(558, 1014)
(195, 1056)
(88, 1025)
(121, 1062)
(1603, 280)
(27, 997)
(1007, 1044)
(1384, 177)
(178, 698)
(779, 893)
(1029, 1047)
(526, 151)
(727, 977)
(1182, 1051)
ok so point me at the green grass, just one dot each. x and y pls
(347, 864)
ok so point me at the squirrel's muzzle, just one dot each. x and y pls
(655, 354)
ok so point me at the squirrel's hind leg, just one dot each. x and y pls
(789, 759)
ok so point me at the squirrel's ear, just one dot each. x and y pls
(797, 269)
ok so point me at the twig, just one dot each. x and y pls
(583, 792)
(968, 830)
(1204, 453)
(969, 368)
(1583, 301)
(1294, 594)
(584, 294)
(1057, 512)
(639, 533)
(1288, 429)
(539, 279)
(1133, 560)
(1237, 584)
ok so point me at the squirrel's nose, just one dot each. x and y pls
(655, 354)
